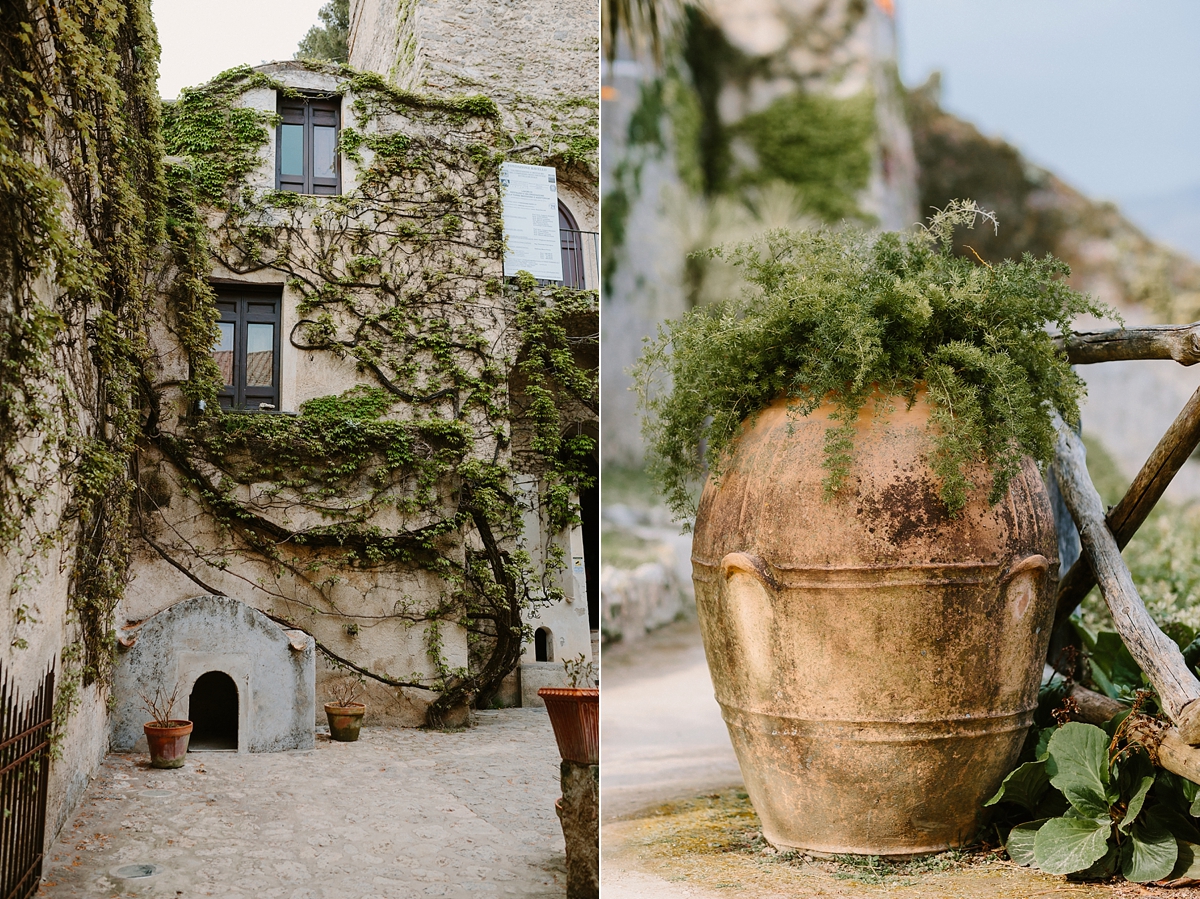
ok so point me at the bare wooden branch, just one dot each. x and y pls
(1178, 342)
(1176, 445)
(1154, 651)
(1174, 754)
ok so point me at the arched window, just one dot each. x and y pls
(543, 645)
(571, 241)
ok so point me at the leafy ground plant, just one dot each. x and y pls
(843, 316)
(1092, 804)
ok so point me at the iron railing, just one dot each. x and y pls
(24, 778)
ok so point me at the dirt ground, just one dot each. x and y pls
(676, 823)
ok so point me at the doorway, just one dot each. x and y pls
(213, 708)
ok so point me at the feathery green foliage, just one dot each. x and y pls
(329, 40)
(840, 316)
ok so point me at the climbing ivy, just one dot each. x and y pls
(472, 379)
(108, 388)
(81, 218)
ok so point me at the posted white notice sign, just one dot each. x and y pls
(530, 195)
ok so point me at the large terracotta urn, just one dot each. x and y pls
(876, 660)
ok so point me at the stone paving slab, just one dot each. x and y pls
(401, 813)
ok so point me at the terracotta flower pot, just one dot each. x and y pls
(877, 661)
(168, 743)
(575, 717)
(344, 720)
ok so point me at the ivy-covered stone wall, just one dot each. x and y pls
(378, 511)
(81, 222)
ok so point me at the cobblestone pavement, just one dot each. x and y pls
(401, 813)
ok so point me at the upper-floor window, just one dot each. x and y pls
(247, 352)
(308, 146)
(571, 241)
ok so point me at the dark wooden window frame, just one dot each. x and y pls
(571, 246)
(308, 111)
(242, 306)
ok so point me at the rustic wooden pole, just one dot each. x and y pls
(1178, 342)
(1154, 651)
(1174, 754)
(1147, 488)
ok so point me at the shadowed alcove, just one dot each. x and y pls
(213, 708)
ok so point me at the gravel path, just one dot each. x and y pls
(401, 813)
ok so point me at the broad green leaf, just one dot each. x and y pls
(1194, 811)
(1086, 637)
(1191, 653)
(1181, 633)
(1043, 743)
(1069, 845)
(1100, 679)
(1135, 779)
(1054, 805)
(1078, 766)
(1187, 865)
(1136, 802)
(1149, 854)
(1114, 657)
(1019, 844)
(1110, 726)
(1103, 869)
(1181, 826)
(1024, 786)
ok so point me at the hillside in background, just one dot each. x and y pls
(1110, 256)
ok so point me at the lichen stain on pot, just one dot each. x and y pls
(876, 660)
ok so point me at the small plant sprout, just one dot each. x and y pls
(161, 704)
(581, 672)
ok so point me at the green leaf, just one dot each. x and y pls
(1113, 656)
(1100, 679)
(1053, 805)
(1103, 869)
(1135, 779)
(1194, 811)
(1135, 803)
(1024, 786)
(1180, 825)
(1187, 865)
(1043, 743)
(1181, 633)
(1019, 844)
(1150, 853)
(1078, 766)
(1070, 845)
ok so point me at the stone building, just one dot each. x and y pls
(762, 114)
(274, 416)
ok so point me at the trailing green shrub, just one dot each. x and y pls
(841, 316)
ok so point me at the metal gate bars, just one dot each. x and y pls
(24, 777)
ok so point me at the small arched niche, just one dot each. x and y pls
(213, 709)
(543, 645)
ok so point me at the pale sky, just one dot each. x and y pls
(200, 39)
(1105, 93)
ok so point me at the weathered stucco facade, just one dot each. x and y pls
(404, 507)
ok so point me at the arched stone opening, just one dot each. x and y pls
(272, 673)
(543, 645)
(213, 710)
